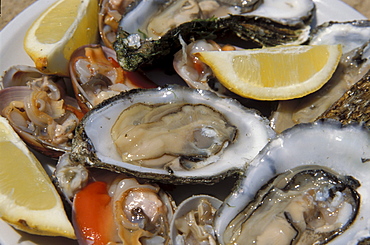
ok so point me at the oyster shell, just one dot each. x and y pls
(135, 49)
(198, 156)
(353, 106)
(354, 64)
(310, 184)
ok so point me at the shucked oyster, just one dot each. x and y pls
(174, 134)
(152, 29)
(309, 185)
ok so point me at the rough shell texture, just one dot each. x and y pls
(354, 105)
(326, 143)
(93, 144)
(263, 31)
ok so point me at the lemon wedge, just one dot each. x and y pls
(276, 73)
(28, 199)
(61, 29)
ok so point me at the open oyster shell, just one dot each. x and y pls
(194, 151)
(354, 64)
(321, 196)
(151, 29)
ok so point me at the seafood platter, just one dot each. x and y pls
(214, 168)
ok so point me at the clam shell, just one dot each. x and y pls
(189, 204)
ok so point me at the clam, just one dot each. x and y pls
(41, 113)
(151, 29)
(195, 73)
(110, 14)
(192, 221)
(309, 185)
(97, 76)
(173, 134)
(126, 210)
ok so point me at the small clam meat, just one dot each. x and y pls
(192, 221)
(96, 76)
(40, 112)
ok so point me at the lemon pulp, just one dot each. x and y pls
(25, 191)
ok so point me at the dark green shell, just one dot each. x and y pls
(262, 31)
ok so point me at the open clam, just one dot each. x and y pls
(173, 134)
(39, 110)
(97, 76)
(124, 210)
(192, 221)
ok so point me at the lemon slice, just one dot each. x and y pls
(62, 28)
(28, 198)
(277, 73)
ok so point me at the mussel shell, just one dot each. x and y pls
(93, 145)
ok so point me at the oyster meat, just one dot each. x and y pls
(149, 32)
(307, 186)
(173, 134)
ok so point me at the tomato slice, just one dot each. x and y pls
(93, 217)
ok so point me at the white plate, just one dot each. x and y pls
(12, 53)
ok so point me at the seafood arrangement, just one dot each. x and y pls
(177, 158)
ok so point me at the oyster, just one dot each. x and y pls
(354, 64)
(159, 30)
(309, 185)
(172, 134)
(97, 76)
(353, 106)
